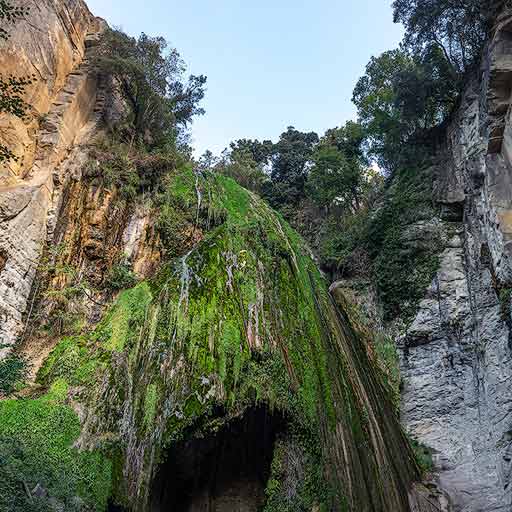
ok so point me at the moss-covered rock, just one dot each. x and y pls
(242, 320)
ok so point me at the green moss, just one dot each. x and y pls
(242, 319)
(150, 404)
(71, 360)
(387, 356)
(36, 447)
(130, 310)
(423, 456)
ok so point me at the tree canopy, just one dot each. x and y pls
(290, 160)
(338, 170)
(401, 97)
(457, 27)
(150, 78)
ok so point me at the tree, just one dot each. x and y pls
(400, 98)
(240, 165)
(457, 27)
(11, 87)
(260, 151)
(350, 140)
(290, 161)
(207, 161)
(337, 176)
(150, 80)
(375, 99)
(333, 180)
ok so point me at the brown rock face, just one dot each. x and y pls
(51, 43)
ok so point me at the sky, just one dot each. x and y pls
(270, 63)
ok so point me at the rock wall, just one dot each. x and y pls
(456, 356)
(52, 43)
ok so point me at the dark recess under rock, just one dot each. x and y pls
(227, 471)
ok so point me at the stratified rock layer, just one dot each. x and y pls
(53, 44)
(457, 357)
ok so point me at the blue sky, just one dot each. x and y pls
(270, 63)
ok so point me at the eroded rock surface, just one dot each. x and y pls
(53, 45)
(456, 356)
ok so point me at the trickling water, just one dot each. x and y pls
(184, 279)
(198, 195)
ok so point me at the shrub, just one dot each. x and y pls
(120, 277)
(13, 370)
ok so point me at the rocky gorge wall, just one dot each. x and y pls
(53, 45)
(456, 354)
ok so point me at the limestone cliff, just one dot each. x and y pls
(456, 355)
(53, 45)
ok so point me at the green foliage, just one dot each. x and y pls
(36, 447)
(12, 87)
(240, 165)
(78, 359)
(13, 370)
(182, 211)
(150, 80)
(334, 179)
(458, 28)
(423, 455)
(120, 277)
(387, 356)
(297, 482)
(290, 159)
(260, 151)
(71, 360)
(342, 248)
(399, 99)
(404, 263)
(132, 170)
(504, 296)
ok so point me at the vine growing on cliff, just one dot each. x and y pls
(12, 88)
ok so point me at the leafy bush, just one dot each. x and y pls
(342, 248)
(13, 370)
(131, 170)
(36, 448)
(120, 277)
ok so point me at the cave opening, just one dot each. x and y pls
(224, 472)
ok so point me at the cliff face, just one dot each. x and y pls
(456, 356)
(53, 44)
